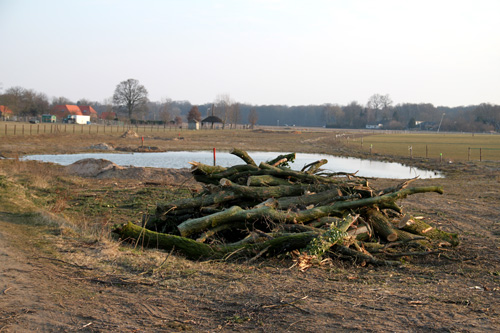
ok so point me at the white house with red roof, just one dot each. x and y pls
(63, 110)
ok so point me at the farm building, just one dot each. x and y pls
(211, 120)
(48, 118)
(5, 112)
(64, 110)
(374, 126)
(108, 115)
(194, 124)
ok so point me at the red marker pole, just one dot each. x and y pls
(142, 138)
(214, 156)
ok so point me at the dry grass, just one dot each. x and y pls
(453, 146)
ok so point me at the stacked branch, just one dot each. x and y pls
(248, 210)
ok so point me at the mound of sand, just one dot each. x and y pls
(92, 167)
(130, 134)
(102, 146)
(104, 169)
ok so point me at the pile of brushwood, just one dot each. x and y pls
(247, 211)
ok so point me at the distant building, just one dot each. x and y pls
(428, 125)
(48, 118)
(5, 112)
(87, 110)
(108, 115)
(193, 124)
(374, 126)
(64, 110)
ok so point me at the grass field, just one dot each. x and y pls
(452, 146)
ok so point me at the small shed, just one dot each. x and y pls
(48, 118)
(211, 120)
(194, 124)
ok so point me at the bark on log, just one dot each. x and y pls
(237, 214)
(195, 250)
(243, 155)
(300, 176)
(419, 227)
(312, 168)
(189, 247)
(206, 169)
(284, 158)
(322, 199)
(264, 193)
(266, 180)
(381, 225)
(196, 202)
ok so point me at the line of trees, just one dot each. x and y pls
(130, 101)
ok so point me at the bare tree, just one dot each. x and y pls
(131, 95)
(234, 113)
(25, 102)
(166, 110)
(14, 99)
(353, 113)
(61, 100)
(379, 107)
(253, 117)
(333, 115)
(178, 120)
(222, 104)
(85, 101)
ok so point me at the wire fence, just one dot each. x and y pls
(54, 128)
(441, 149)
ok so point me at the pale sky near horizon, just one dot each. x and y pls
(293, 52)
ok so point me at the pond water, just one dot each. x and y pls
(181, 159)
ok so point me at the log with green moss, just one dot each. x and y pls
(192, 249)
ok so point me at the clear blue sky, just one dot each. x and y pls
(257, 51)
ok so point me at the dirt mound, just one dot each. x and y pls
(104, 169)
(102, 146)
(92, 167)
(130, 134)
(144, 149)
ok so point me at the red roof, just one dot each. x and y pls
(5, 110)
(66, 109)
(87, 110)
(108, 115)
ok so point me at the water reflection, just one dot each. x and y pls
(181, 159)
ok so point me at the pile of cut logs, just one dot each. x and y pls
(250, 211)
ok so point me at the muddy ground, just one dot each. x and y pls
(55, 278)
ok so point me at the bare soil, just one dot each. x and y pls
(56, 275)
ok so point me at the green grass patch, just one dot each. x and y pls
(432, 145)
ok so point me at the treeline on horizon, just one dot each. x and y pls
(378, 112)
